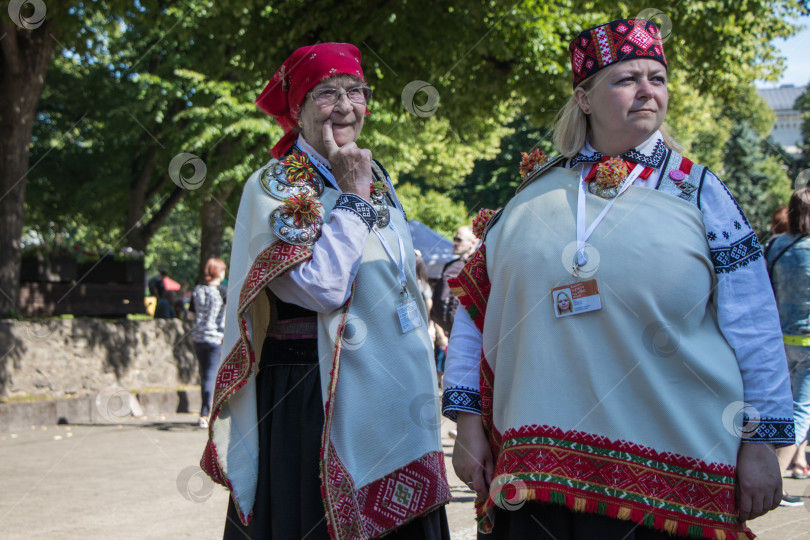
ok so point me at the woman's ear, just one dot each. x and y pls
(581, 97)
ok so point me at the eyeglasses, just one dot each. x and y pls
(326, 97)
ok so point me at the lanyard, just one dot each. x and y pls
(400, 265)
(322, 168)
(582, 233)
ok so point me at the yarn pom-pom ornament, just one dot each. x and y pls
(298, 167)
(379, 188)
(480, 221)
(530, 161)
(611, 173)
(303, 207)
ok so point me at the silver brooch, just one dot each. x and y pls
(605, 193)
(381, 207)
(284, 227)
(275, 182)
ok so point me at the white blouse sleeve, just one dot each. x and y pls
(747, 315)
(461, 375)
(324, 282)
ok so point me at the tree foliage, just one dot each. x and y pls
(436, 210)
(136, 84)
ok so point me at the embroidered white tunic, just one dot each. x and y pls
(746, 310)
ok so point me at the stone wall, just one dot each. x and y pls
(82, 357)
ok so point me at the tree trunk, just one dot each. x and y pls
(141, 191)
(211, 218)
(26, 55)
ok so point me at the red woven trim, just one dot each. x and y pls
(380, 506)
(386, 504)
(600, 441)
(486, 382)
(336, 482)
(238, 365)
(472, 287)
(643, 490)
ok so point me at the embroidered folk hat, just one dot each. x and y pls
(284, 95)
(622, 39)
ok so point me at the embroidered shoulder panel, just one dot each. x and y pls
(687, 188)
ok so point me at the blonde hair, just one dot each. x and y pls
(571, 125)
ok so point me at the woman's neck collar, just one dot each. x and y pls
(313, 154)
(649, 141)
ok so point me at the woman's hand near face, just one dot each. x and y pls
(351, 164)
(472, 456)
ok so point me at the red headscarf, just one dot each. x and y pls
(284, 95)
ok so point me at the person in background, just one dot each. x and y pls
(779, 225)
(626, 419)
(164, 308)
(439, 349)
(209, 329)
(444, 303)
(156, 286)
(789, 266)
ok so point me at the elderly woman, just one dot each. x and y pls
(653, 410)
(325, 420)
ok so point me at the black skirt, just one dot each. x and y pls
(288, 496)
(544, 521)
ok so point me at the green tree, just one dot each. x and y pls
(29, 40)
(757, 180)
(489, 64)
(800, 168)
(436, 210)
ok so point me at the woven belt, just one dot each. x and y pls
(797, 341)
(300, 328)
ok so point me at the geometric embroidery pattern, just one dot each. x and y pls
(383, 505)
(779, 431)
(620, 479)
(460, 399)
(655, 159)
(609, 43)
(355, 204)
(737, 255)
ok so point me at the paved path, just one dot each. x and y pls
(140, 480)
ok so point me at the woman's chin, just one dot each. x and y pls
(344, 135)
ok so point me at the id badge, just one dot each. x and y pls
(576, 298)
(408, 315)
